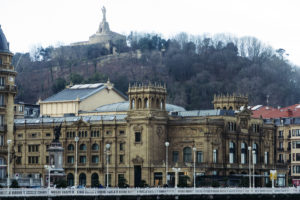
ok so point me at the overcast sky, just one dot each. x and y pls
(27, 23)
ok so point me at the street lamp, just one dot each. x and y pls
(167, 145)
(49, 167)
(249, 149)
(76, 162)
(8, 159)
(176, 170)
(253, 156)
(194, 149)
(107, 148)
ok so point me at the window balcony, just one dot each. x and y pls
(8, 88)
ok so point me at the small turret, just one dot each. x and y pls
(230, 102)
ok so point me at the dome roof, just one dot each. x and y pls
(4, 47)
(124, 106)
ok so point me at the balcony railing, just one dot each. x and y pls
(8, 88)
(280, 149)
(117, 192)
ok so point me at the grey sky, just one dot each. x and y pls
(27, 23)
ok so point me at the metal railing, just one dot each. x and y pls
(38, 192)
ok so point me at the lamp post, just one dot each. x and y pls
(167, 145)
(49, 167)
(176, 170)
(107, 146)
(76, 161)
(194, 149)
(249, 149)
(253, 156)
(8, 160)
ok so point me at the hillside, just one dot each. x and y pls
(194, 69)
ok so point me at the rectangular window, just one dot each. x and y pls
(108, 132)
(95, 159)
(121, 179)
(19, 148)
(137, 136)
(82, 159)
(297, 156)
(1, 120)
(199, 157)
(122, 132)
(121, 158)
(48, 134)
(215, 156)
(1, 140)
(121, 146)
(33, 159)
(19, 160)
(47, 159)
(20, 135)
(2, 102)
(70, 159)
(266, 158)
(2, 81)
(231, 158)
(243, 158)
(175, 156)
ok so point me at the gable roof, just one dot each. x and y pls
(268, 112)
(81, 92)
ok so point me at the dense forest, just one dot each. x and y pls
(194, 68)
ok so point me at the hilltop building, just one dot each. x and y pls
(104, 35)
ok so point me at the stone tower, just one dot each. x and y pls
(147, 126)
(230, 102)
(7, 93)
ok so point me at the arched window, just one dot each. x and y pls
(2, 169)
(152, 103)
(162, 104)
(82, 147)
(187, 154)
(82, 179)
(224, 108)
(95, 147)
(157, 103)
(132, 104)
(95, 180)
(139, 103)
(231, 152)
(146, 103)
(70, 147)
(230, 108)
(70, 179)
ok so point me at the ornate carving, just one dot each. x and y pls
(57, 133)
(244, 123)
(159, 131)
(138, 160)
(138, 128)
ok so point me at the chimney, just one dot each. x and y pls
(290, 113)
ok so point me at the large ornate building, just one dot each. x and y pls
(137, 131)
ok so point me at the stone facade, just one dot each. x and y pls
(8, 91)
(137, 144)
(230, 102)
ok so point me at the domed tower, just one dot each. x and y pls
(147, 127)
(7, 93)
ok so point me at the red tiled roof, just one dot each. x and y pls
(270, 112)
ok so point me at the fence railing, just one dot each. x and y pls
(38, 192)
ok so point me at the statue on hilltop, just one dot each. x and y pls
(104, 13)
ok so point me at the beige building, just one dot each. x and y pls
(230, 102)
(137, 131)
(8, 91)
(79, 99)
